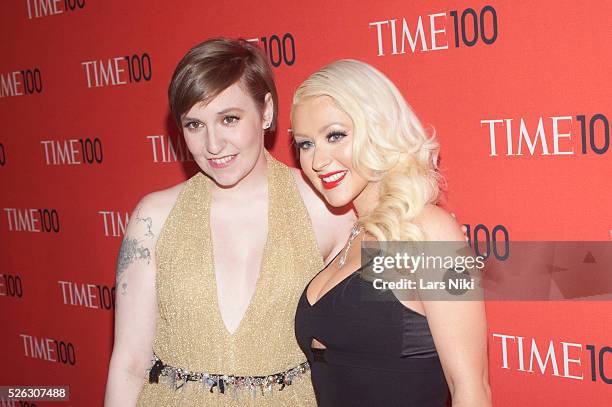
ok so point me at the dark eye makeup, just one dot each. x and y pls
(335, 135)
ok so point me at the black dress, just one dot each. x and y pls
(378, 352)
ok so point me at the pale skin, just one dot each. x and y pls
(232, 124)
(323, 133)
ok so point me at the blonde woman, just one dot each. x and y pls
(359, 142)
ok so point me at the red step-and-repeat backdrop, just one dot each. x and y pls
(518, 92)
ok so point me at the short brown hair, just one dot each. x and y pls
(214, 65)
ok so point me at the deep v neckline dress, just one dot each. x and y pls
(190, 331)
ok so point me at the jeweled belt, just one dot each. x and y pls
(224, 382)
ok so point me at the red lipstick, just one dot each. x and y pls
(336, 180)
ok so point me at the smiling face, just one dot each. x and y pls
(324, 135)
(225, 136)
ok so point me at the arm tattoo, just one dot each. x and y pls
(147, 221)
(132, 249)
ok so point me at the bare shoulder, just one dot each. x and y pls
(331, 225)
(438, 224)
(155, 207)
(146, 222)
(309, 196)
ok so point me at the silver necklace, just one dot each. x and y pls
(355, 231)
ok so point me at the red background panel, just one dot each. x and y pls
(548, 59)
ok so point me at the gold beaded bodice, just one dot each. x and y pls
(190, 332)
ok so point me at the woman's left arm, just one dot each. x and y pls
(458, 327)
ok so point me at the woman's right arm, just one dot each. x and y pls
(136, 305)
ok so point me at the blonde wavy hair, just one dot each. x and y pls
(389, 145)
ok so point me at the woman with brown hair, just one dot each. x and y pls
(210, 270)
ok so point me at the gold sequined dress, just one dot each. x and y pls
(190, 332)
